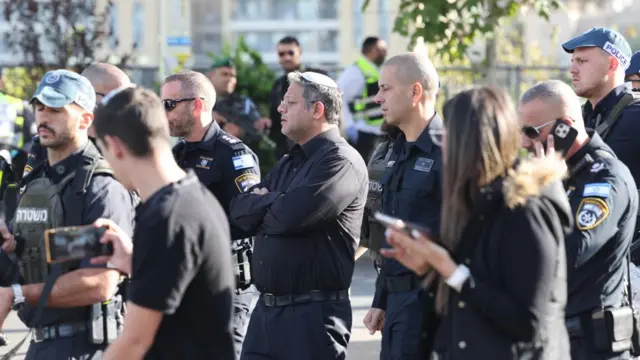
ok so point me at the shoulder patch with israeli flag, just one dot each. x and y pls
(597, 189)
(243, 162)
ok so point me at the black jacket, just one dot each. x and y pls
(512, 306)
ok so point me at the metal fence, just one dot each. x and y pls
(516, 79)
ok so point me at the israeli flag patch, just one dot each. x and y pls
(243, 162)
(597, 189)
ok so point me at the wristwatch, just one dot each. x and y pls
(18, 297)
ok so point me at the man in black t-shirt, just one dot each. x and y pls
(180, 294)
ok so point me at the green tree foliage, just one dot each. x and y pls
(451, 26)
(56, 34)
(255, 78)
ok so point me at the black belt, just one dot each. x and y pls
(313, 296)
(402, 283)
(58, 331)
(574, 326)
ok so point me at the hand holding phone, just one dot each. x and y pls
(398, 224)
(75, 243)
(122, 245)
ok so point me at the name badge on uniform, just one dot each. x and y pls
(423, 164)
(243, 162)
(205, 163)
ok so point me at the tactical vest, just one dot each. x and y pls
(365, 107)
(18, 104)
(377, 168)
(41, 207)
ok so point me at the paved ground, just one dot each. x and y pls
(363, 346)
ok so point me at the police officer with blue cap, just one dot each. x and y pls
(74, 186)
(633, 72)
(599, 59)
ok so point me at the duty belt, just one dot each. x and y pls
(313, 296)
(58, 331)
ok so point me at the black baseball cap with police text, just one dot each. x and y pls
(607, 39)
(59, 88)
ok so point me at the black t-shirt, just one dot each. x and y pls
(182, 267)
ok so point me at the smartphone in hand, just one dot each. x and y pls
(407, 227)
(75, 243)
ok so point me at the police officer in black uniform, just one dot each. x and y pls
(238, 115)
(372, 235)
(222, 162)
(632, 74)
(603, 197)
(73, 187)
(104, 78)
(411, 191)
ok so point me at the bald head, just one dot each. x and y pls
(411, 68)
(105, 78)
(559, 97)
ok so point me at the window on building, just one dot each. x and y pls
(284, 9)
(383, 19)
(328, 40)
(307, 9)
(328, 9)
(251, 10)
(357, 22)
(138, 24)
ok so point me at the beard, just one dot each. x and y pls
(182, 125)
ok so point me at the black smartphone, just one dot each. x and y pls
(563, 136)
(407, 227)
(75, 243)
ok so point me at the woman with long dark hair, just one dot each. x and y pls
(500, 259)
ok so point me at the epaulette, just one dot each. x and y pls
(231, 141)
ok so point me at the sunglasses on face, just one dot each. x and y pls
(533, 132)
(284, 53)
(170, 104)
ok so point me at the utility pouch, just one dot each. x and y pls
(96, 325)
(612, 329)
(242, 266)
(111, 325)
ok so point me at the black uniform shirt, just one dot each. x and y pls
(105, 198)
(308, 224)
(182, 268)
(225, 165)
(604, 200)
(623, 136)
(411, 191)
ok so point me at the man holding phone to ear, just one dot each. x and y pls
(603, 198)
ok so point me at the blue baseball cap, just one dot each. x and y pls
(634, 66)
(608, 40)
(63, 87)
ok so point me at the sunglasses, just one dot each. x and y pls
(533, 132)
(170, 104)
(283, 53)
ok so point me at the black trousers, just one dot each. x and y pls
(311, 331)
(71, 348)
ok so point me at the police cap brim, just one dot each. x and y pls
(51, 97)
(580, 41)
